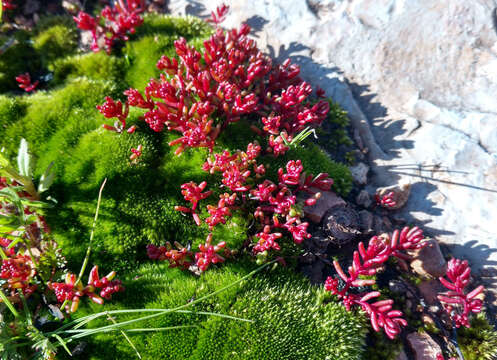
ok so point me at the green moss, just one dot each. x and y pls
(48, 113)
(382, 348)
(98, 66)
(156, 38)
(188, 27)
(141, 53)
(56, 41)
(479, 342)
(11, 109)
(289, 322)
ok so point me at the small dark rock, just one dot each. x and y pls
(366, 220)
(31, 6)
(396, 286)
(307, 258)
(318, 243)
(429, 290)
(314, 272)
(341, 224)
(379, 225)
(363, 199)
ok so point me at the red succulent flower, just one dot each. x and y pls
(25, 83)
(457, 303)
(209, 254)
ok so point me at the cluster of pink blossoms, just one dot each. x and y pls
(202, 93)
(24, 81)
(70, 291)
(386, 201)
(118, 22)
(457, 303)
(366, 262)
(276, 205)
(19, 272)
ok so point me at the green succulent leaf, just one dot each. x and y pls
(25, 160)
(46, 180)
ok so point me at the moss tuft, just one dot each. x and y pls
(97, 66)
(479, 342)
(56, 41)
(289, 322)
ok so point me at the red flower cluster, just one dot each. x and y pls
(69, 292)
(457, 303)
(366, 262)
(386, 201)
(205, 92)
(208, 254)
(276, 205)
(218, 16)
(118, 22)
(183, 258)
(7, 4)
(19, 273)
(180, 257)
(193, 193)
(4, 243)
(25, 83)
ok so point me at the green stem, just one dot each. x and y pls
(84, 320)
(161, 311)
(79, 336)
(126, 337)
(8, 303)
(88, 250)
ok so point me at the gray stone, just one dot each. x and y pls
(423, 346)
(402, 356)
(360, 173)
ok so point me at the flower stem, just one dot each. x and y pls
(8, 303)
(88, 250)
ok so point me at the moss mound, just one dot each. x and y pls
(479, 341)
(289, 319)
